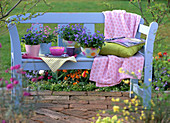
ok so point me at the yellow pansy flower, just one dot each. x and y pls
(126, 81)
(113, 99)
(126, 118)
(97, 115)
(114, 118)
(140, 118)
(127, 113)
(116, 108)
(126, 101)
(117, 100)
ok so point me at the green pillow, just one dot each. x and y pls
(111, 48)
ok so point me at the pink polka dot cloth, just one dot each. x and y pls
(119, 23)
(105, 69)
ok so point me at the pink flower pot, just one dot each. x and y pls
(32, 50)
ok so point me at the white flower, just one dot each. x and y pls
(41, 72)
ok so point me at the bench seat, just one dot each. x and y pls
(82, 63)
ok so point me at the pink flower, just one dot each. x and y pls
(6, 82)
(40, 77)
(12, 67)
(17, 66)
(0, 45)
(26, 94)
(9, 86)
(34, 79)
(3, 121)
(6, 71)
(23, 72)
(12, 79)
(1, 79)
(49, 77)
(15, 82)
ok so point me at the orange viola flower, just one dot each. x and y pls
(74, 75)
(156, 58)
(77, 81)
(74, 83)
(77, 76)
(65, 78)
(64, 71)
(68, 75)
(160, 54)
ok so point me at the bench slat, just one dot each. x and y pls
(93, 17)
(143, 29)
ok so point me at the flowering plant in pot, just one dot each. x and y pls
(31, 41)
(91, 43)
(70, 33)
(46, 37)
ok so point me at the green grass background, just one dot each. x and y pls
(76, 6)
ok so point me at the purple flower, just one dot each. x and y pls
(157, 88)
(165, 84)
(0, 45)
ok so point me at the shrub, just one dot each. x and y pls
(15, 107)
(161, 72)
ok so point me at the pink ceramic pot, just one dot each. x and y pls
(32, 50)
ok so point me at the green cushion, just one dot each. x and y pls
(119, 50)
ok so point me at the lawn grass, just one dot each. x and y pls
(74, 6)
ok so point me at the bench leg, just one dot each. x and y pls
(147, 91)
(132, 82)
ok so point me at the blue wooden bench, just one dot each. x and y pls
(89, 20)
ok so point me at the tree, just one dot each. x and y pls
(157, 10)
(8, 6)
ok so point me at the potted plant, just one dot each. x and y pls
(91, 43)
(70, 33)
(46, 37)
(31, 41)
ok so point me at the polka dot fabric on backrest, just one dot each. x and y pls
(119, 23)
